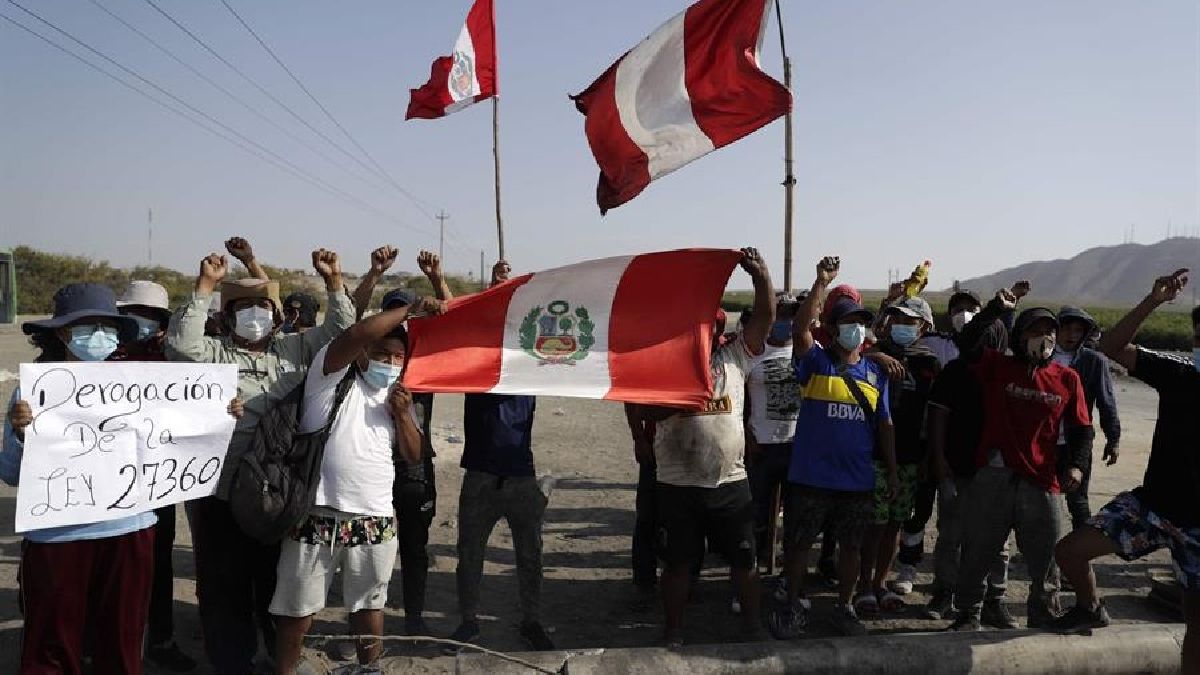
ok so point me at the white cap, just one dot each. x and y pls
(145, 294)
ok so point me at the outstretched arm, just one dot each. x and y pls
(431, 266)
(1117, 343)
(802, 337)
(239, 248)
(755, 333)
(347, 346)
(381, 260)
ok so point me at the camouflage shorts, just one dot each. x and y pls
(1138, 532)
(899, 509)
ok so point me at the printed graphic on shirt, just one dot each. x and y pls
(783, 394)
(1027, 394)
(715, 406)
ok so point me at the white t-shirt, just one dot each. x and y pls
(706, 448)
(774, 396)
(357, 471)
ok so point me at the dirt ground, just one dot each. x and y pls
(587, 590)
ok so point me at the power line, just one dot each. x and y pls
(274, 158)
(338, 163)
(416, 201)
(264, 91)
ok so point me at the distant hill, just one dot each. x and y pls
(1103, 276)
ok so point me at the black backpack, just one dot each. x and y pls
(275, 481)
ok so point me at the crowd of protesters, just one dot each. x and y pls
(856, 424)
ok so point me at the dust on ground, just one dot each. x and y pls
(587, 592)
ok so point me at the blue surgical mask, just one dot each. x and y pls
(382, 375)
(781, 332)
(905, 335)
(93, 343)
(851, 335)
(147, 328)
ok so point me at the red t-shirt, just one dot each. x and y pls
(1023, 412)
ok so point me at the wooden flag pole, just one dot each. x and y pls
(496, 159)
(789, 177)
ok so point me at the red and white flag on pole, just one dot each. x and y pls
(467, 76)
(691, 87)
(631, 328)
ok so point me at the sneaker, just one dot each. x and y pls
(941, 606)
(1040, 616)
(996, 615)
(467, 631)
(788, 621)
(866, 603)
(845, 621)
(535, 636)
(906, 576)
(965, 623)
(169, 656)
(1078, 619)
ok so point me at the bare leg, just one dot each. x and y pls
(867, 551)
(289, 641)
(796, 566)
(1075, 554)
(368, 622)
(886, 554)
(848, 568)
(745, 583)
(676, 578)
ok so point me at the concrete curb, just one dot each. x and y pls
(1125, 649)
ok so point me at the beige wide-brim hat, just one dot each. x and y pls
(148, 295)
(250, 288)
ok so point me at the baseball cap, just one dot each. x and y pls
(305, 305)
(397, 297)
(846, 307)
(914, 307)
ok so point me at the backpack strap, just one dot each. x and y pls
(339, 395)
(860, 396)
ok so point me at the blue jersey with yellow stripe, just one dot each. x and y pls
(834, 447)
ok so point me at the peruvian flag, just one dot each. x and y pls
(632, 328)
(691, 87)
(467, 76)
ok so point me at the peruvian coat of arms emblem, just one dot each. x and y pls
(555, 335)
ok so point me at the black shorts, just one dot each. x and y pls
(809, 510)
(687, 515)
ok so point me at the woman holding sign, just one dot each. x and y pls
(98, 574)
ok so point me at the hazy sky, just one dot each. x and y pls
(977, 134)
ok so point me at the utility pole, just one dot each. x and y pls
(789, 177)
(441, 216)
(150, 235)
(482, 283)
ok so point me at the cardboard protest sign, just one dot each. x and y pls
(114, 439)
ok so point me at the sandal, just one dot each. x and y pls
(866, 603)
(889, 601)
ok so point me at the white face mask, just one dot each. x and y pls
(253, 323)
(960, 320)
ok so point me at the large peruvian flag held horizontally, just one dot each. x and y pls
(693, 86)
(631, 328)
(467, 76)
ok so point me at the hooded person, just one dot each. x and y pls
(1027, 398)
(235, 574)
(299, 312)
(1076, 329)
(905, 324)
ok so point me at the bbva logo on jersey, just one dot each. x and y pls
(846, 411)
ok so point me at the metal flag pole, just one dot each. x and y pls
(789, 177)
